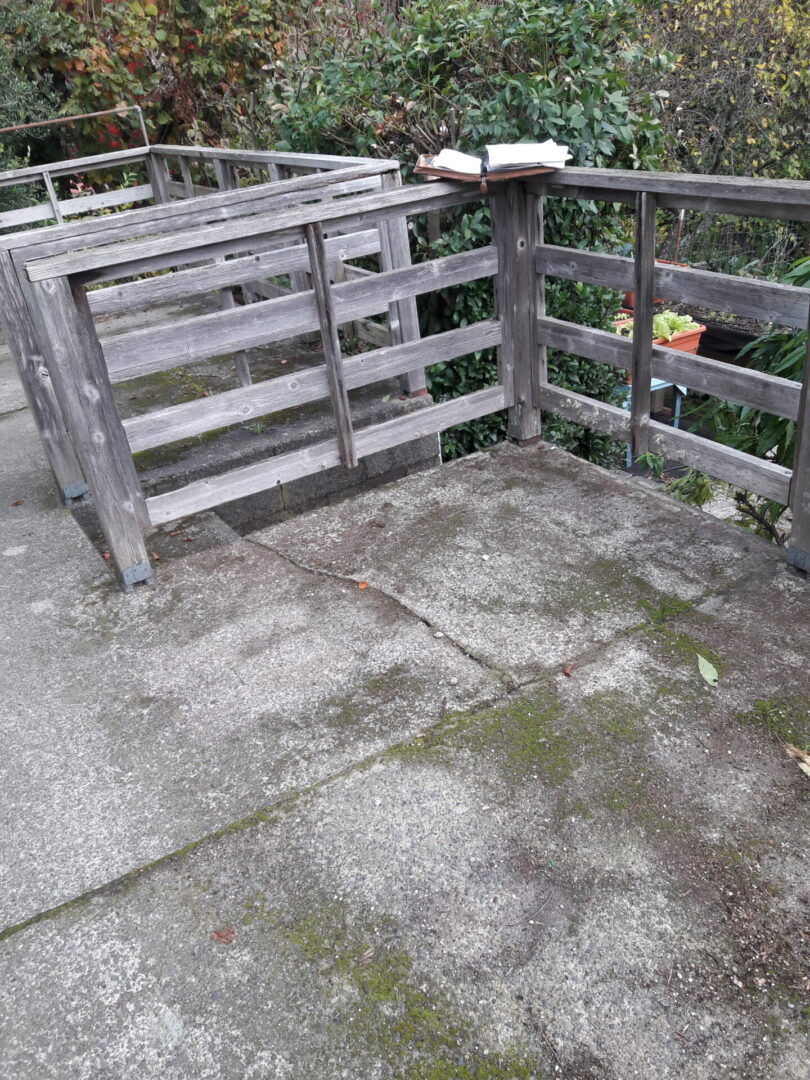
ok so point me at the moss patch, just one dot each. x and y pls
(787, 718)
(395, 1015)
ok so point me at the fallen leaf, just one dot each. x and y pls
(708, 670)
(187, 539)
(387, 397)
(367, 956)
(224, 937)
(362, 584)
(568, 669)
(105, 556)
(155, 556)
(17, 502)
(177, 532)
(802, 759)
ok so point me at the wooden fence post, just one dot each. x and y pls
(77, 368)
(158, 177)
(331, 345)
(799, 547)
(23, 345)
(644, 269)
(515, 227)
(403, 316)
(227, 180)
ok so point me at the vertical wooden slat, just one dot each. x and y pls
(331, 344)
(76, 365)
(227, 181)
(21, 337)
(158, 177)
(799, 547)
(52, 197)
(514, 229)
(403, 316)
(188, 182)
(642, 322)
(540, 366)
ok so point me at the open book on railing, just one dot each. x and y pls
(501, 161)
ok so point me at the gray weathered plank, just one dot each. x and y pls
(790, 195)
(514, 232)
(350, 213)
(75, 165)
(266, 157)
(742, 470)
(23, 346)
(799, 496)
(76, 366)
(765, 300)
(302, 387)
(140, 352)
(403, 318)
(81, 204)
(743, 386)
(641, 367)
(589, 412)
(330, 340)
(284, 468)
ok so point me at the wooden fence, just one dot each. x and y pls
(193, 189)
(82, 367)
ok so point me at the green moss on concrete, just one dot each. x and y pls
(685, 647)
(786, 718)
(396, 1015)
(666, 607)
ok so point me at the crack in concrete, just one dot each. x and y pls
(510, 684)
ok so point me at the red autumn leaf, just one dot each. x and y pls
(362, 584)
(568, 669)
(155, 556)
(105, 556)
(224, 937)
(17, 502)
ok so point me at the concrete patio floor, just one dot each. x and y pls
(263, 822)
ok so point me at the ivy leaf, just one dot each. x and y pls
(708, 670)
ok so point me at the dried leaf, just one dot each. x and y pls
(362, 584)
(224, 937)
(155, 556)
(17, 502)
(801, 757)
(367, 956)
(708, 671)
(105, 556)
(568, 669)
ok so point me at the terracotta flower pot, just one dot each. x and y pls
(684, 341)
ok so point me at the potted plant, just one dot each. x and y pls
(676, 331)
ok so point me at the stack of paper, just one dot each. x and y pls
(504, 156)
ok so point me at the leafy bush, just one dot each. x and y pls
(466, 74)
(26, 93)
(186, 62)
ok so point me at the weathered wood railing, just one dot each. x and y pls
(272, 186)
(246, 228)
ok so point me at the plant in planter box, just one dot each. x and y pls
(676, 331)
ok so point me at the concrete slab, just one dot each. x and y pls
(526, 891)
(133, 725)
(525, 557)
(411, 847)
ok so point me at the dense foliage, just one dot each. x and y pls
(26, 90)
(186, 62)
(465, 74)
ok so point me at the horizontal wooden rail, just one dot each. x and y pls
(185, 283)
(299, 388)
(752, 196)
(82, 204)
(32, 173)
(268, 157)
(768, 301)
(152, 220)
(723, 462)
(352, 213)
(743, 386)
(284, 468)
(142, 352)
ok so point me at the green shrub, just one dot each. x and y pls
(466, 74)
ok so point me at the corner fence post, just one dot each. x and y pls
(641, 369)
(516, 226)
(78, 370)
(22, 342)
(799, 547)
